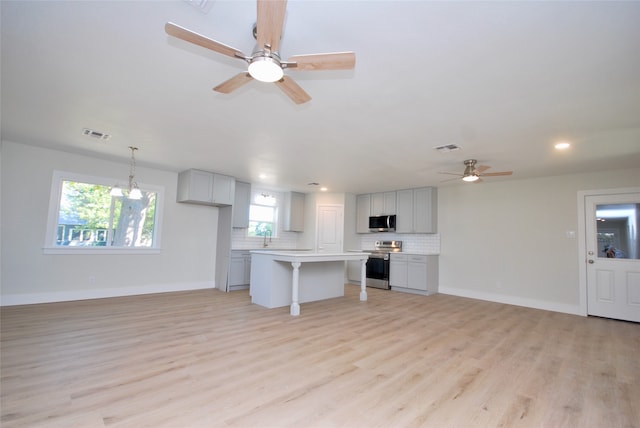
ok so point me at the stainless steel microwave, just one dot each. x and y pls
(382, 223)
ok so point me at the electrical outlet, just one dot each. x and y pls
(92, 280)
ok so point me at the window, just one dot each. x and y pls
(83, 215)
(263, 215)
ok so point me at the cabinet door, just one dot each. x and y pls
(377, 204)
(223, 189)
(404, 211)
(237, 271)
(195, 186)
(424, 210)
(398, 274)
(241, 203)
(398, 270)
(417, 273)
(389, 203)
(363, 209)
(383, 203)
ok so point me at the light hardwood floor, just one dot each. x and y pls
(211, 359)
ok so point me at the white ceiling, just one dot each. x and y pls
(503, 80)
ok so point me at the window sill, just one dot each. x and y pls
(99, 250)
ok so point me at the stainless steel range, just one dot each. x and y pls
(378, 263)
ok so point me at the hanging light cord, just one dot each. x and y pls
(132, 168)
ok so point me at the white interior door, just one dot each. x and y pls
(330, 228)
(613, 255)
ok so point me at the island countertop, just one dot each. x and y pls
(308, 256)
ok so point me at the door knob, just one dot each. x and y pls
(591, 261)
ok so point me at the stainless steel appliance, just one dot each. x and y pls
(382, 223)
(378, 263)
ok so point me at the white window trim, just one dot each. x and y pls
(277, 207)
(54, 209)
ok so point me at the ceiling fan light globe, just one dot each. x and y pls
(470, 178)
(265, 69)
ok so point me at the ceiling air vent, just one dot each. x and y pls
(447, 148)
(95, 134)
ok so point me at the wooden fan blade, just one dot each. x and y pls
(270, 22)
(325, 61)
(495, 174)
(200, 40)
(481, 168)
(293, 91)
(234, 83)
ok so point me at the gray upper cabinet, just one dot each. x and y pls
(294, 212)
(363, 211)
(404, 212)
(241, 204)
(205, 188)
(383, 203)
(417, 210)
(425, 210)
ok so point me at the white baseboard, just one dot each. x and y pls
(511, 300)
(67, 296)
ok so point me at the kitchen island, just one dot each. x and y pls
(282, 278)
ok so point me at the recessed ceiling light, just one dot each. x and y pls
(323, 189)
(562, 145)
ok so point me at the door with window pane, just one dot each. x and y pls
(613, 255)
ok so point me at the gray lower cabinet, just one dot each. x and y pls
(239, 270)
(414, 273)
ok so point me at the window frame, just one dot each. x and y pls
(276, 213)
(54, 209)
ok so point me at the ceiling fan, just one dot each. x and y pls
(264, 64)
(473, 173)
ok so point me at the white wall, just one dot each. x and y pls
(507, 241)
(189, 234)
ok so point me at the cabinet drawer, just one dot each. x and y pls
(417, 259)
(395, 257)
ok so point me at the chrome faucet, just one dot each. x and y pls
(265, 244)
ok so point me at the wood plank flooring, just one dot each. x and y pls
(211, 359)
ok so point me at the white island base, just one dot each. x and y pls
(289, 278)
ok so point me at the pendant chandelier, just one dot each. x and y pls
(133, 189)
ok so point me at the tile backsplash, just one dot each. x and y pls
(411, 243)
